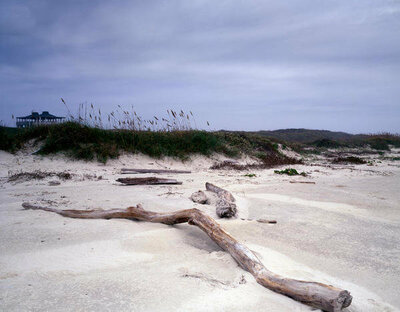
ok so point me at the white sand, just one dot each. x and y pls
(344, 230)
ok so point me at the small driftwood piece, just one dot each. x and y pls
(226, 207)
(133, 171)
(318, 295)
(266, 221)
(147, 181)
(199, 197)
(261, 220)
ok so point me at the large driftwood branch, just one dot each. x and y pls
(325, 297)
(226, 207)
(147, 181)
(133, 171)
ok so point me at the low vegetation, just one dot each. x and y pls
(37, 175)
(86, 142)
(349, 160)
(290, 172)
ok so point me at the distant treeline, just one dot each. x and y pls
(332, 139)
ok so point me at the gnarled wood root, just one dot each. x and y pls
(325, 297)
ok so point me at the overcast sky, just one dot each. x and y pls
(242, 65)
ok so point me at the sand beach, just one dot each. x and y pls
(342, 229)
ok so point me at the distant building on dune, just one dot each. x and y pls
(36, 119)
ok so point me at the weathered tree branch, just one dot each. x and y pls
(325, 297)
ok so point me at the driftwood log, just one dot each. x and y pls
(147, 181)
(133, 171)
(226, 207)
(220, 192)
(321, 296)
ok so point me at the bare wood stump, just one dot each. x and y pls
(321, 296)
(225, 209)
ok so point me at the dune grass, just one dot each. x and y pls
(81, 141)
(93, 135)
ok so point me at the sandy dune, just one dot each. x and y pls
(343, 230)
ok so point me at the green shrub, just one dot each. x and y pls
(290, 172)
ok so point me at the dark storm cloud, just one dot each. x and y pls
(240, 64)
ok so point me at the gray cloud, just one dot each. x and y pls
(241, 65)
